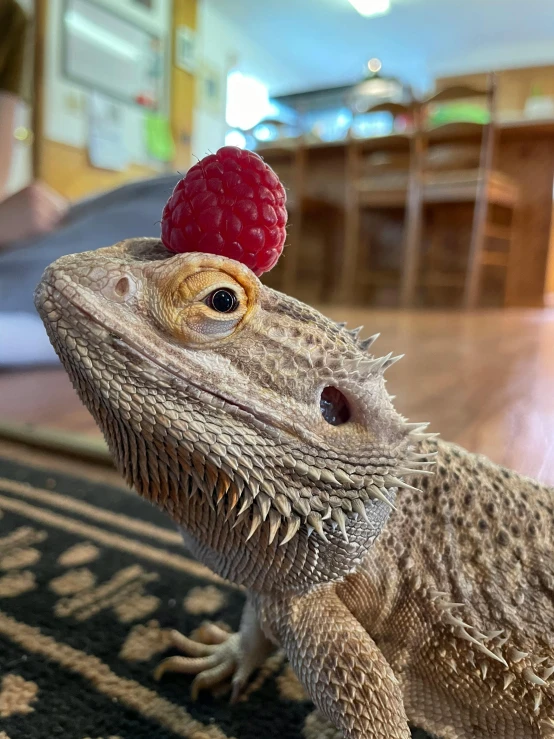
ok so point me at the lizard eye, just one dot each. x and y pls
(222, 301)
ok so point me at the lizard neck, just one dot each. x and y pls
(264, 567)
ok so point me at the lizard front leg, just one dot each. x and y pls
(344, 672)
(236, 655)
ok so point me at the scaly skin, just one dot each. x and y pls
(440, 612)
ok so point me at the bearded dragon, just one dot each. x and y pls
(405, 579)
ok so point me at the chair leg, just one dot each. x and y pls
(347, 282)
(473, 272)
(509, 267)
(291, 259)
(292, 254)
(330, 261)
(412, 244)
(433, 261)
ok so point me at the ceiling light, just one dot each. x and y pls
(235, 138)
(247, 101)
(374, 65)
(370, 8)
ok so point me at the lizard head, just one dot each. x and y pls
(223, 400)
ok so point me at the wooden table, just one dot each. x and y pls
(524, 151)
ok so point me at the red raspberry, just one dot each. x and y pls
(230, 203)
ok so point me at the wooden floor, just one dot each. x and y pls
(484, 380)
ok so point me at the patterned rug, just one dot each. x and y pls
(91, 580)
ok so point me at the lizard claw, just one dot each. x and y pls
(238, 685)
(212, 663)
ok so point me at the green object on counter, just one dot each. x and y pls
(459, 113)
(159, 141)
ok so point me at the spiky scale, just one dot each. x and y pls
(301, 468)
(219, 449)
(263, 502)
(364, 344)
(417, 426)
(359, 507)
(314, 474)
(274, 524)
(343, 478)
(379, 363)
(302, 506)
(289, 461)
(233, 498)
(548, 672)
(340, 519)
(422, 455)
(515, 655)
(314, 520)
(406, 471)
(328, 477)
(247, 500)
(256, 522)
(531, 677)
(377, 493)
(283, 505)
(392, 360)
(396, 483)
(269, 488)
(222, 486)
(482, 648)
(292, 527)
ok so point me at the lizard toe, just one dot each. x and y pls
(209, 679)
(185, 665)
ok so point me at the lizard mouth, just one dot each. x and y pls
(128, 347)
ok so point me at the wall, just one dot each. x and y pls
(21, 169)
(221, 46)
(496, 56)
(63, 157)
(514, 86)
(183, 88)
(549, 287)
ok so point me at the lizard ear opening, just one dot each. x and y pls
(334, 406)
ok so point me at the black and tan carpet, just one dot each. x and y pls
(91, 580)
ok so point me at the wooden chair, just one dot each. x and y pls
(379, 175)
(455, 165)
(302, 273)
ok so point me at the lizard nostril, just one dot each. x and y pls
(334, 406)
(122, 286)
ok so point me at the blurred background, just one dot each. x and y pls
(416, 141)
